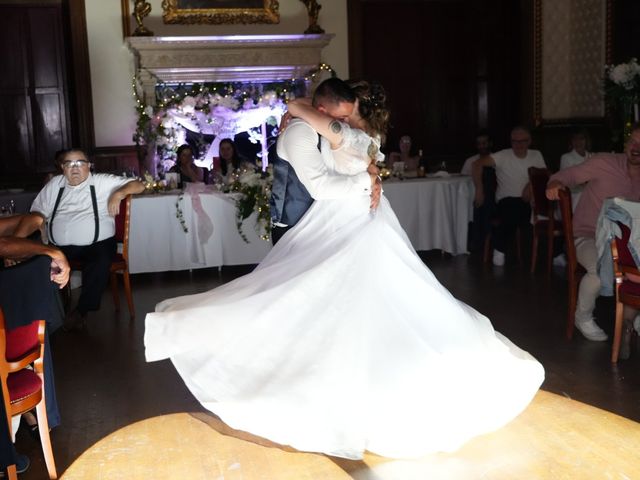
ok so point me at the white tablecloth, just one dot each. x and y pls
(435, 212)
(157, 242)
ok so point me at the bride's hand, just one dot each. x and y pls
(372, 169)
(376, 191)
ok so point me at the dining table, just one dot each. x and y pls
(174, 230)
(181, 231)
(434, 210)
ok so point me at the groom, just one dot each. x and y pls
(300, 174)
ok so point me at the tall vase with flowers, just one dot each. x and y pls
(622, 92)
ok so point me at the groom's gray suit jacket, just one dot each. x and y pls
(289, 198)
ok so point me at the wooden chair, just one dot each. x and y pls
(22, 387)
(575, 271)
(120, 262)
(543, 212)
(627, 291)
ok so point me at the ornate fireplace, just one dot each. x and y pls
(235, 58)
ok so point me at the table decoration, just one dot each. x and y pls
(622, 92)
(254, 190)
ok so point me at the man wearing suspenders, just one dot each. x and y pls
(79, 209)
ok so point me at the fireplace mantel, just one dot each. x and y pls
(234, 58)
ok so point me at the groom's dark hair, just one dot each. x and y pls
(333, 91)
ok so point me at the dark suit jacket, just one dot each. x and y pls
(289, 198)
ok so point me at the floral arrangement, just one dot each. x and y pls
(622, 82)
(622, 91)
(254, 190)
(202, 104)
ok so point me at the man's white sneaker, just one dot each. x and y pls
(591, 331)
(498, 258)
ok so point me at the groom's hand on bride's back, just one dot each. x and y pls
(284, 121)
(376, 190)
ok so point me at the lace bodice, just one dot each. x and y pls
(354, 155)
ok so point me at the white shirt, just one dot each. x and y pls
(298, 145)
(74, 223)
(512, 172)
(571, 159)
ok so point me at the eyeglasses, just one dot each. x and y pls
(520, 141)
(74, 163)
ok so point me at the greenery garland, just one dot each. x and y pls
(180, 215)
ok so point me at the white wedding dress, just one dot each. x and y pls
(342, 341)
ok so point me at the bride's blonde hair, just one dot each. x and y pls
(372, 106)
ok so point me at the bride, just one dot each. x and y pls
(318, 350)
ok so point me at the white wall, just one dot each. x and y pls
(112, 63)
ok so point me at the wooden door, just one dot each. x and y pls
(33, 98)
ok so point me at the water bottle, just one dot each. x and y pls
(12, 207)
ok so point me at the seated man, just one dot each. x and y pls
(513, 193)
(79, 209)
(481, 225)
(483, 148)
(606, 175)
(26, 293)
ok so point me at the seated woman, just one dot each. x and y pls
(411, 162)
(229, 160)
(188, 171)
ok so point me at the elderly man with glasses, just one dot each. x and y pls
(513, 193)
(79, 209)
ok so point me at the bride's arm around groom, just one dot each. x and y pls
(298, 145)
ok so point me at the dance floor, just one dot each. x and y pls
(552, 439)
(123, 418)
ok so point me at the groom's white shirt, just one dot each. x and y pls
(298, 145)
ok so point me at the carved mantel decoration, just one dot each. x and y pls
(235, 58)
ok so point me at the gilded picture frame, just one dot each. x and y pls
(220, 11)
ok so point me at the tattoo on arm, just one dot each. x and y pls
(335, 127)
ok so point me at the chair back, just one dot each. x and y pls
(624, 257)
(566, 211)
(122, 225)
(19, 347)
(18, 342)
(538, 178)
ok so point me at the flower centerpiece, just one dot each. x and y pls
(253, 189)
(622, 92)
